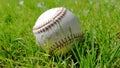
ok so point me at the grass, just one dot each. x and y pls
(100, 23)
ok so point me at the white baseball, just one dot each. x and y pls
(58, 26)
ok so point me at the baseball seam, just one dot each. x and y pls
(63, 42)
(51, 22)
(69, 38)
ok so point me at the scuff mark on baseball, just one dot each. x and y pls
(58, 27)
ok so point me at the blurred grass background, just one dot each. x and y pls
(100, 23)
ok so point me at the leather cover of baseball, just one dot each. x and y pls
(55, 29)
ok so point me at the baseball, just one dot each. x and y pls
(55, 29)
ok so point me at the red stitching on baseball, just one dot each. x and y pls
(50, 23)
(68, 39)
